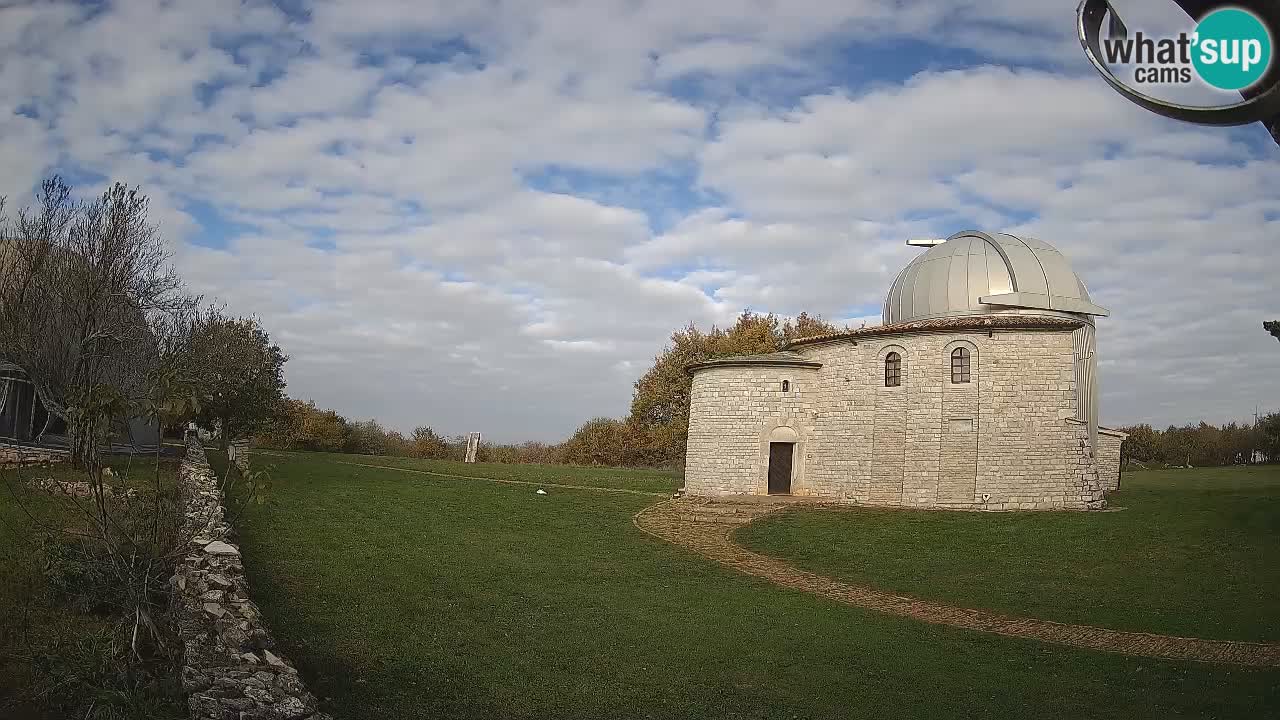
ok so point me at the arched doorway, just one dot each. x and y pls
(782, 451)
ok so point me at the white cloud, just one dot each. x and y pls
(719, 57)
(491, 216)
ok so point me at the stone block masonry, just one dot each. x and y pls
(16, 455)
(238, 453)
(1009, 437)
(231, 668)
(733, 411)
(1109, 442)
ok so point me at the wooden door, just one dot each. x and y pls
(780, 455)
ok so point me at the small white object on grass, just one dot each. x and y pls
(541, 491)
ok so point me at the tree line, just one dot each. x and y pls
(655, 431)
(653, 434)
(301, 425)
(1203, 445)
(1206, 445)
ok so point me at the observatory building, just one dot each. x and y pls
(978, 392)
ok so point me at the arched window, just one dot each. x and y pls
(960, 365)
(892, 370)
(786, 386)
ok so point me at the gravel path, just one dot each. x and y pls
(674, 521)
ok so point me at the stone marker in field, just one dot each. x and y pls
(473, 444)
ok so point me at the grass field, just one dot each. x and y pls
(658, 481)
(1195, 552)
(410, 595)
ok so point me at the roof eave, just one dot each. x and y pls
(975, 323)
(694, 367)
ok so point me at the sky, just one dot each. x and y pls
(490, 216)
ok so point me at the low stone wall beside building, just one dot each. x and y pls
(238, 453)
(14, 455)
(231, 669)
(1109, 443)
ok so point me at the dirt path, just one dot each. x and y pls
(671, 521)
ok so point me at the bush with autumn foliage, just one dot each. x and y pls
(300, 425)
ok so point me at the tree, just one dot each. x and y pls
(285, 428)
(1238, 442)
(240, 383)
(660, 404)
(662, 393)
(806, 325)
(1140, 446)
(81, 285)
(101, 325)
(366, 438)
(323, 431)
(1272, 327)
(1269, 436)
(599, 441)
(425, 443)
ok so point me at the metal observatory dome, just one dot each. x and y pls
(978, 273)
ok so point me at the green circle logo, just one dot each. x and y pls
(1232, 49)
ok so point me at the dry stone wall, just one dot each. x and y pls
(14, 455)
(231, 667)
(1004, 441)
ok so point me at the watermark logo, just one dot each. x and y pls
(1230, 49)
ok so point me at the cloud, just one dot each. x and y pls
(718, 57)
(893, 150)
(491, 216)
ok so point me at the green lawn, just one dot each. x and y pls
(1194, 552)
(659, 481)
(410, 595)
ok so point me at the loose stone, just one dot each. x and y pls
(217, 547)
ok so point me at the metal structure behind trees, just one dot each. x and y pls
(1260, 103)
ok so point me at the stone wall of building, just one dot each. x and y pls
(231, 667)
(1003, 441)
(733, 411)
(1109, 442)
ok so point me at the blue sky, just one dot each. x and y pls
(490, 216)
